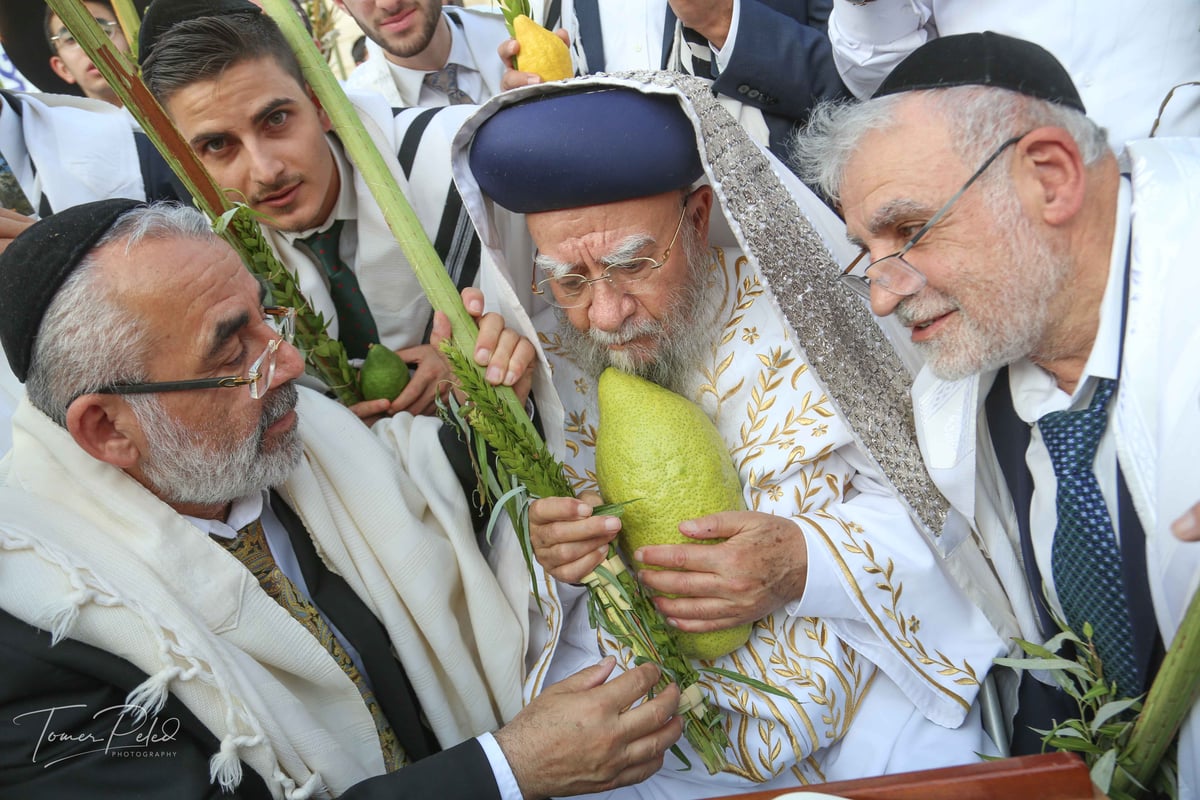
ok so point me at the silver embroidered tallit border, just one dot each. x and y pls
(849, 355)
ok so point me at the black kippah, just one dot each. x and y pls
(37, 263)
(587, 148)
(984, 59)
(162, 14)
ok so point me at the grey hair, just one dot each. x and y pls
(978, 119)
(87, 338)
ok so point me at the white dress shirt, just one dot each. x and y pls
(254, 506)
(1035, 394)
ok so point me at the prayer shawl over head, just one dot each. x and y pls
(88, 553)
(883, 655)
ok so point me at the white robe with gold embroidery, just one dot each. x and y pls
(884, 654)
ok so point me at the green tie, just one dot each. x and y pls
(251, 549)
(356, 326)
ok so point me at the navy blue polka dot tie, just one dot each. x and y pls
(1085, 558)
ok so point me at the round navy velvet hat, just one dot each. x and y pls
(584, 148)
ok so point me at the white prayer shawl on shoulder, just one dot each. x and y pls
(884, 654)
(88, 553)
(83, 150)
(388, 282)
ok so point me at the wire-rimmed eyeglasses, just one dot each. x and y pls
(258, 376)
(573, 290)
(893, 272)
(64, 38)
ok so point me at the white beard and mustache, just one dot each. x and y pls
(184, 466)
(675, 344)
(1002, 316)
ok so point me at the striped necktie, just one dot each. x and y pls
(445, 80)
(356, 325)
(1085, 556)
(251, 549)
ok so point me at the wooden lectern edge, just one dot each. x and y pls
(1050, 776)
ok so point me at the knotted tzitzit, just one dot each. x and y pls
(1085, 557)
(445, 80)
(251, 549)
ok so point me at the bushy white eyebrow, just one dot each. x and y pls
(628, 248)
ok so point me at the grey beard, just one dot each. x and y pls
(183, 467)
(682, 339)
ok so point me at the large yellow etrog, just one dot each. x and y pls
(661, 449)
(542, 53)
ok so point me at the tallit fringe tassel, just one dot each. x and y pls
(304, 791)
(225, 768)
(62, 620)
(151, 694)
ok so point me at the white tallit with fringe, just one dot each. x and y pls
(88, 553)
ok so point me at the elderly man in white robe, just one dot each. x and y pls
(838, 562)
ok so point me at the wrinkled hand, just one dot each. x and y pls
(709, 18)
(506, 354)
(11, 226)
(567, 540)
(762, 565)
(509, 49)
(1187, 527)
(431, 379)
(580, 735)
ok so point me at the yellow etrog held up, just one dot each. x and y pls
(662, 450)
(542, 53)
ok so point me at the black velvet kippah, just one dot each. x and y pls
(162, 14)
(984, 59)
(36, 264)
(584, 148)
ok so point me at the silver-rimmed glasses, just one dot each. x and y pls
(893, 272)
(258, 376)
(64, 38)
(573, 290)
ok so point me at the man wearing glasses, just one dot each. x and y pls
(70, 63)
(219, 584)
(707, 275)
(1050, 292)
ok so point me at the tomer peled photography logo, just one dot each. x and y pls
(61, 733)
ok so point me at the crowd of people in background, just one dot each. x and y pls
(922, 263)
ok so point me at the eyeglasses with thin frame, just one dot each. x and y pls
(259, 376)
(572, 291)
(893, 272)
(64, 38)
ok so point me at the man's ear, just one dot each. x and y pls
(60, 69)
(701, 200)
(1051, 174)
(102, 425)
(322, 114)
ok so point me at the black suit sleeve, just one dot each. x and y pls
(63, 735)
(460, 773)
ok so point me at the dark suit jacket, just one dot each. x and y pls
(79, 690)
(46, 692)
(782, 60)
